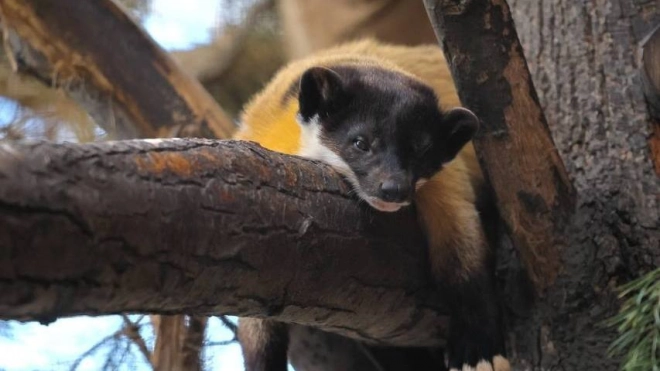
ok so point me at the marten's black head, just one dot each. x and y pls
(381, 129)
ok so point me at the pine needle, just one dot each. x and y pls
(638, 324)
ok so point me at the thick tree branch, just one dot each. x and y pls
(106, 62)
(534, 194)
(206, 227)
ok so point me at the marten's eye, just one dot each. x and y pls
(421, 146)
(361, 144)
(421, 151)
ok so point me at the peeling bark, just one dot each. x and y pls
(534, 194)
(194, 226)
(107, 63)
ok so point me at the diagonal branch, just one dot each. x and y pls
(123, 79)
(206, 228)
(534, 195)
(94, 348)
(229, 324)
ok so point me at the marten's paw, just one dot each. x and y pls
(498, 363)
(474, 350)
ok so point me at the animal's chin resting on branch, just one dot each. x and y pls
(207, 227)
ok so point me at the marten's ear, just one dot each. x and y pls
(459, 125)
(321, 93)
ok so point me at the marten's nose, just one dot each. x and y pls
(393, 191)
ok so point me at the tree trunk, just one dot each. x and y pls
(584, 57)
(193, 342)
(168, 333)
(179, 342)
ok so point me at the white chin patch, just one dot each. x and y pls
(312, 147)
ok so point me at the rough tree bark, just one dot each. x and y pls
(128, 84)
(585, 58)
(192, 226)
(534, 195)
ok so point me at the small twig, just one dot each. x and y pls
(367, 353)
(123, 355)
(132, 331)
(93, 349)
(110, 363)
(221, 342)
(229, 324)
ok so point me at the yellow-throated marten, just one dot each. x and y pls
(388, 119)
